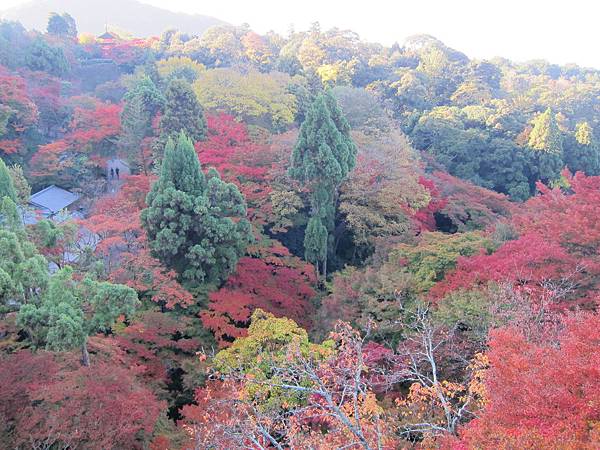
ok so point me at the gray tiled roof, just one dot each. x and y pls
(53, 199)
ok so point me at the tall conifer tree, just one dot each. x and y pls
(183, 112)
(196, 224)
(322, 158)
(545, 135)
(7, 187)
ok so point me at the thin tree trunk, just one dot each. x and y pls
(325, 269)
(85, 356)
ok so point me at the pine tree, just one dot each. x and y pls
(545, 135)
(22, 187)
(315, 243)
(69, 312)
(322, 158)
(196, 224)
(135, 125)
(141, 104)
(7, 188)
(183, 112)
(581, 150)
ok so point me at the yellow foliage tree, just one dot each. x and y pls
(253, 97)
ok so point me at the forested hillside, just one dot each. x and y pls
(307, 241)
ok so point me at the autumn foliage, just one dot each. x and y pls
(540, 394)
(272, 280)
(116, 222)
(229, 149)
(444, 315)
(41, 392)
(90, 136)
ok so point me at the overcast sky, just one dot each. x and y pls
(561, 31)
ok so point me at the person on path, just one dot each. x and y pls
(112, 173)
(117, 171)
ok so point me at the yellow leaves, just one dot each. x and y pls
(339, 72)
(310, 54)
(247, 96)
(478, 368)
(370, 406)
(286, 204)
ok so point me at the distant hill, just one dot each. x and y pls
(93, 15)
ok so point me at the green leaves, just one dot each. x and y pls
(196, 224)
(183, 112)
(7, 188)
(322, 159)
(23, 271)
(545, 135)
(315, 240)
(324, 153)
(68, 311)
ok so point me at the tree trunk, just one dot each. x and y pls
(325, 269)
(85, 356)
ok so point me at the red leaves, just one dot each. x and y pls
(116, 221)
(10, 146)
(54, 400)
(132, 51)
(117, 216)
(230, 150)
(279, 284)
(560, 240)
(17, 111)
(94, 125)
(155, 340)
(466, 206)
(541, 394)
(146, 274)
(526, 261)
(425, 216)
(569, 218)
(93, 129)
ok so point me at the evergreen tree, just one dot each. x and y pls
(152, 99)
(322, 158)
(545, 135)
(61, 25)
(45, 58)
(69, 312)
(9, 216)
(315, 242)
(135, 125)
(22, 187)
(23, 271)
(7, 187)
(581, 151)
(183, 112)
(196, 224)
(141, 104)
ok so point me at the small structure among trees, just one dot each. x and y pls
(49, 202)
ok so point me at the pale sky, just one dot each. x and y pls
(561, 31)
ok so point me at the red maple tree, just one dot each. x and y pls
(273, 280)
(541, 394)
